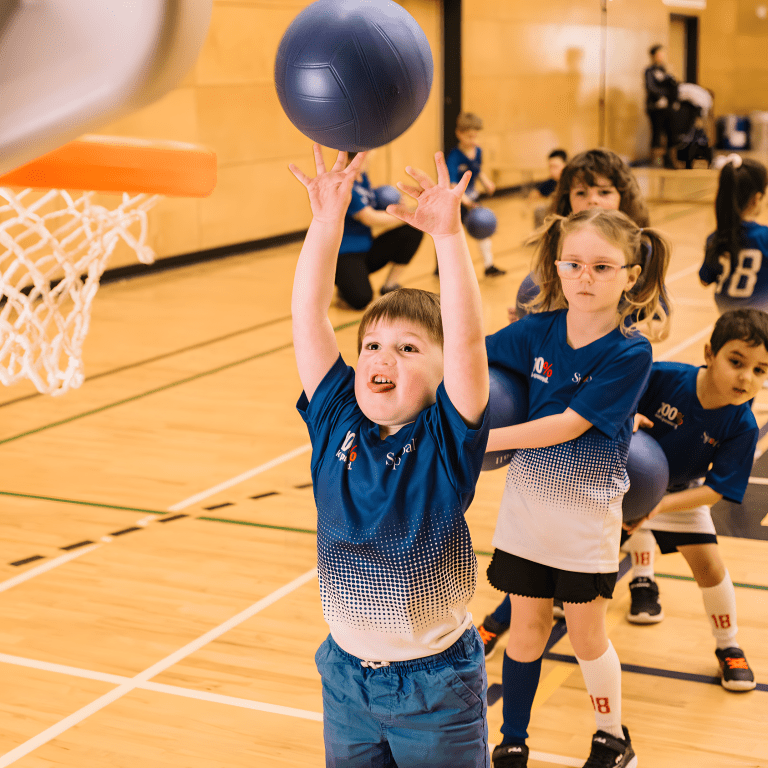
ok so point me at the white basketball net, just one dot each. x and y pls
(53, 250)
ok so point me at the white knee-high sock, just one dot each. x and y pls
(486, 251)
(720, 605)
(603, 680)
(641, 547)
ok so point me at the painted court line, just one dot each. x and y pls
(32, 572)
(704, 333)
(239, 479)
(121, 690)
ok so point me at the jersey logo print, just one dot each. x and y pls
(346, 453)
(393, 459)
(542, 370)
(708, 440)
(669, 415)
(576, 379)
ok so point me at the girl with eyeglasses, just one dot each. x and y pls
(559, 525)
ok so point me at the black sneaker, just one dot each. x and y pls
(557, 609)
(610, 752)
(494, 271)
(645, 608)
(490, 631)
(734, 670)
(510, 756)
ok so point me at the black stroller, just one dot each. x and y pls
(693, 106)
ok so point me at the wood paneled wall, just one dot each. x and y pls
(228, 103)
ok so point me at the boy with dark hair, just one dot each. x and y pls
(397, 446)
(702, 419)
(556, 162)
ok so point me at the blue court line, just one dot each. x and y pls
(673, 674)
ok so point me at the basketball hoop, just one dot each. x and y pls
(55, 243)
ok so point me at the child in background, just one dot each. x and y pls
(361, 254)
(556, 161)
(397, 447)
(560, 520)
(702, 419)
(468, 156)
(737, 251)
(597, 178)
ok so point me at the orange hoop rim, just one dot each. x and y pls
(121, 164)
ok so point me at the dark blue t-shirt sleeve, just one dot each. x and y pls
(509, 347)
(452, 161)
(732, 465)
(612, 394)
(461, 448)
(333, 401)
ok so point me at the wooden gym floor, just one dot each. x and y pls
(158, 599)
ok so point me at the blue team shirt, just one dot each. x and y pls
(744, 283)
(717, 444)
(562, 503)
(358, 238)
(395, 559)
(458, 164)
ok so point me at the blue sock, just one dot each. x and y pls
(503, 612)
(519, 681)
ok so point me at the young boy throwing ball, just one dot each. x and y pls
(397, 446)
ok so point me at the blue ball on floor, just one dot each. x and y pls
(353, 74)
(507, 405)
(648, 472)
(386, 195)
(480, 222)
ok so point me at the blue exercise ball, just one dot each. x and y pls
(527, 291)
(353, 74)
(480, 222)
(648, 472)
(386, 195)
(507, 405)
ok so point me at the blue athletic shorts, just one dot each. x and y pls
(411, 714)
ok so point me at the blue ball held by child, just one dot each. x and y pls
(386, 195)
(648, 472)
(480, 222)
(353, 74)
(508, 405)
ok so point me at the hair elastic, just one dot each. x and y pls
(734, 159)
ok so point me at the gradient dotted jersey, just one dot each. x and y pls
(742, 281)
(717, 444)
(561, 505)
(458, 164)
(395, 560)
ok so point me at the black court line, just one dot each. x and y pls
(163, 388)
(173, 517)
(219, 506)
(77, 546)
(262, 495)
(28, 560)
(303, 485)
(127, 530)
(164, 356)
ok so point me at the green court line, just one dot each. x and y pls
(690, 578)
(164, 387)
(289, 529)
(82, 503)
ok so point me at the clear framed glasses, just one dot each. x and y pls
(573, 270)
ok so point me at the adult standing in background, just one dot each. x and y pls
(661, 94)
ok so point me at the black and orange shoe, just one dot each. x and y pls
(510, 756)
(735, 672)
(490, 631)
(610, 752)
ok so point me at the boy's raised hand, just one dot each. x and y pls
(438, 206)
(330, 192)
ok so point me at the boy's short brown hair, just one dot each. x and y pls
(748, 325)
(422, 307)
(468, 121)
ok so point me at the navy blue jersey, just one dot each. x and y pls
(742, 280)
(717, 444)
(562, 503)
(395, 559)
(546, 188)
(357, 237)
(458, 164)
